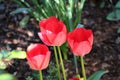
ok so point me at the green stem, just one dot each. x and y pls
(58, 67)
(76, 65)
(40, 72)
(78, 76)
(83, 67)
(61, 61)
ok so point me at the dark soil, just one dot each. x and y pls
(105, 53)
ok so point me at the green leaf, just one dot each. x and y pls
(7, 76)
(69, 12)
(4, 53)
(37, 15)
(102, 4)
(57, 1)
(1, 56)
(97, 75)
(48, 10)
(80, 26)
(24, 21)
(114, 15)
(1, 71)
(29, 78)
(20, 10)
(18, 54)
(118, 31)
(118, 4)
(65, 50)
(1, 0)
(2, 65)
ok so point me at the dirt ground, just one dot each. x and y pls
(106, 49)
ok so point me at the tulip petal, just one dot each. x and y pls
(31, 62)
(38, 56)
(60, 39)
(80, 41)
(46, 61)
(74, 79)
(44, 22)
(51, 36)
(71, 44)
(44, 38)
(82, 48)
(90, 36)
(53, 32)
(36, 62)
(54, 27)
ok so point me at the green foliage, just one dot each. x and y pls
(50, 75)
(64, 50)
(1, 0)
(4, 53)
(15, 54)
(102, 4)
(52, 72)
(97, 75)
(118, 31)
(24, 21)
(20, 10)
(115, 14)
(1, 56)
(68, 11)
(29, 78)
(80, 25)
(6, 56)
(6, 76)
(35, 75)
(2, 65)
(118, 5)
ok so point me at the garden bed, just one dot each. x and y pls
(105, 53)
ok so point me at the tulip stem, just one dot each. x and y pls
(76, 65)
(78, 76)
(61, 61)
(40, 72)
(58, 67)
(83, 67)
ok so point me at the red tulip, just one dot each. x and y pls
(73, 79)
(80, 41)
(38, 56)
(53, 32)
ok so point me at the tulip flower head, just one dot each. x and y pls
(73, 79)
(38, 56)
(80, 41)
(53, 32)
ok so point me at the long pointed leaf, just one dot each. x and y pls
(97, 75)
(19, 10)
(24, 21)
(114, 15)
(15, 54)
(118, 4)
(7, 76)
